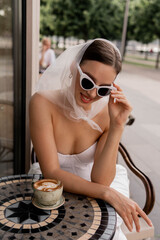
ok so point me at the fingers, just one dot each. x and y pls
(140, 212)
(129, 211)
(130, 214)
(144, 216)
(128, 224)
(130, 218)
(120, 97)
(118, 87)
(116, 93)
(136, 221)
(133, 216)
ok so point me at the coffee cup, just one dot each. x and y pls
(47, 192)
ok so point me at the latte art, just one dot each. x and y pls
(46, 186)
(48, 193)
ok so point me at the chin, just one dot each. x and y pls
(85, 106)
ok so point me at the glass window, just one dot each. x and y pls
(6, 89)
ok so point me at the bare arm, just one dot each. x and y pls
(104, 167)
(106, 154)
(42, 134)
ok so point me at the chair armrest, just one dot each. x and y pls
(149, 189)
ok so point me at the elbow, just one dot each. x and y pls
(103, 180)
(54, 174)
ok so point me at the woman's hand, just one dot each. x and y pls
(127, 209)
(119, 107)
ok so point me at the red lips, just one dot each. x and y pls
(85, 99)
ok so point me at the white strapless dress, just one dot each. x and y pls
(81, 165)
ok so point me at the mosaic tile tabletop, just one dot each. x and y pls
(79, 218)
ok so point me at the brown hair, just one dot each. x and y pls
(104, 52)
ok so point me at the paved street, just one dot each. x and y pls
(142, 139)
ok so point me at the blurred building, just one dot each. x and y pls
(134, 46)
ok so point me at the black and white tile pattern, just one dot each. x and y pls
(79, 218)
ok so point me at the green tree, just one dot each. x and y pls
(106, 19)
(145, 20)
(83, 19)
(70, 17)
(153, 13)
(46, 19)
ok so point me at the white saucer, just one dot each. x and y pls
(50, 207)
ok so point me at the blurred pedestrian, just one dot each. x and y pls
(46, 56)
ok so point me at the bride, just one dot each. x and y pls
(77, 117)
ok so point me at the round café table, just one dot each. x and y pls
(79, 217)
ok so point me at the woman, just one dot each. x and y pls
(77, 118)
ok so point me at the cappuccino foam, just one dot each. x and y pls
(47, 186)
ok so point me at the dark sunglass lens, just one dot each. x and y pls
(104, 91)
(87, 84)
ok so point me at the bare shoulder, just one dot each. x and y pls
(40, 108)
(38, 99)
(39, 102)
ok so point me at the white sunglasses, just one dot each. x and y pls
(87, 83)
